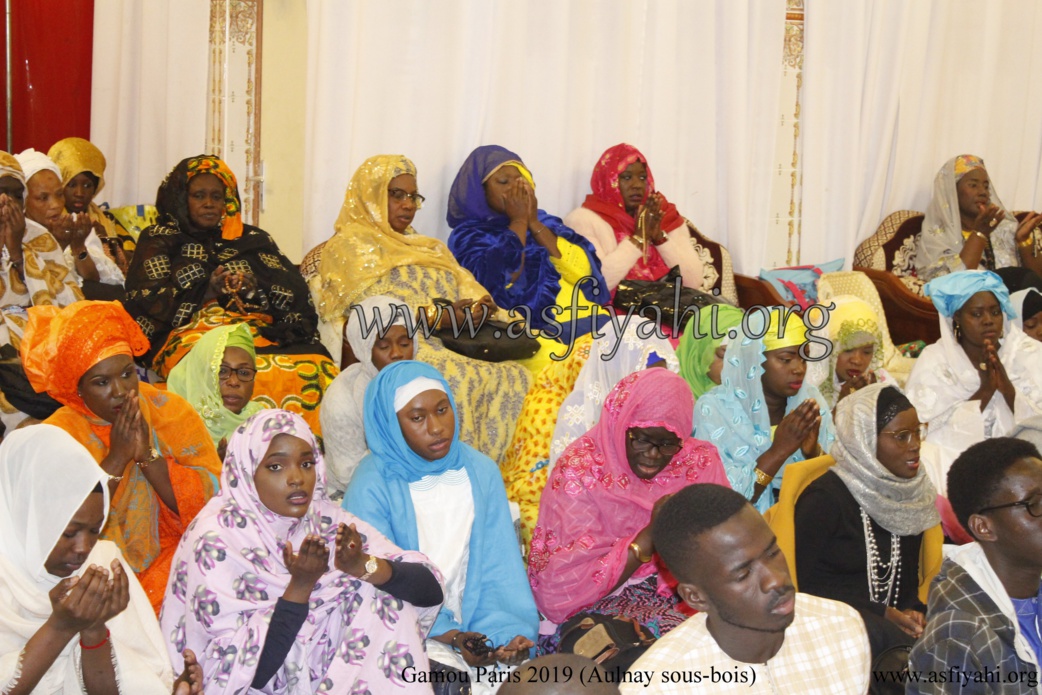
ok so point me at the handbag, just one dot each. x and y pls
(664, 295)
(490, 341)
(448, 680)
(613, 642)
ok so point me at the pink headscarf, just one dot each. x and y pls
(228, 573)
(594, 505)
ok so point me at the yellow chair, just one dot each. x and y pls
(782, 520)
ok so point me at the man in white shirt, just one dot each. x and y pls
(753, 633)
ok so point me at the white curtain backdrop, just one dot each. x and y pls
(148, 91)
(893, 89)
(693, 84)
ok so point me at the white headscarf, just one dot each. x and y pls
(45, 476)
(343, 431)
(941, 240)
(582, 408)
(903, 506)
(33, 162)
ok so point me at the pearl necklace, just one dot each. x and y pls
(884, 579)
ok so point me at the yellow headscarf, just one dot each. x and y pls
(795, 331)
(75, 156)
(365, 247)
(9, 166)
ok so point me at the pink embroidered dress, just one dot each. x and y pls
(594, 506)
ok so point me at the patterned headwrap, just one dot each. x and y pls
(172, 198)
(75, 156)
(965, 163)
(9, 166)
(795, 331)
(60, 345)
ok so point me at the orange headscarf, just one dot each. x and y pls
(231, 225)
(60, 345)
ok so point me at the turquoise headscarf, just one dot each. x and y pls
(949, 292)
(195, 378)
(384, 434)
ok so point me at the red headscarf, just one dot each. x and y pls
(607, 202)
(60, 345)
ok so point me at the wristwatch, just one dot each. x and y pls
(371, 565)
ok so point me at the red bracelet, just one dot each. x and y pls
(95, 646)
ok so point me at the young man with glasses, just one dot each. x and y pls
(984, 628)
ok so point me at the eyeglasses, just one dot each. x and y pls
(641, 445)
(905, 437)
(399, 194)
(244, 374)
(1033, 505)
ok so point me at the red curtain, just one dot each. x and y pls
(51, 54)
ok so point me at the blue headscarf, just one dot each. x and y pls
(483, 243)
(734, 415)
(497, 600)
(949, 292)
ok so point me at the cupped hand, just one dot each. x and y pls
(77, 603)
(307, 566)
(350, 554)
(515, 651)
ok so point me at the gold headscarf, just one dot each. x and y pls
(795, 331)
(365, 247)
(75, 156)
(9, 166)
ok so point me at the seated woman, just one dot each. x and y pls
(200, 267)
(344, 405)
(71, 613)
(525, 257)
(375, 254)
(592, 549)
(155, 452)
(32, 271)
(624, 207)
(428, 491)
(857, 349)
(275, 584)
(859, 527)
(45, 205)
(565, 402)
(216, 378)
(701, 355)
(966, 227)
(982, 378)
(765, 413)
(83, 176)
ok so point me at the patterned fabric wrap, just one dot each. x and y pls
(484, 244)
(497, 600)
(60, 345)
(196, 378)
(903, 506)
(229, 572)
(594, 505)
(365, 247)
(168, 279)
(606, 200)
(294, 382)
(9, 166)
(734, 416)
(696, 354)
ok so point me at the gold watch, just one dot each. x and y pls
(153, 455)
(371, 565)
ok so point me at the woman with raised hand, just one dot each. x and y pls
(283, 591)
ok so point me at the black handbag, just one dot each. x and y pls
(614, 643)
(489, 342)
(663, 294)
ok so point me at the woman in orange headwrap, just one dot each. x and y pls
(160, 459)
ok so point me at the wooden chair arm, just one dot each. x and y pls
(909, 316)
(753, 291)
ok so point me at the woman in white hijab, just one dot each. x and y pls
(73, 618)
(45, 206)
(967, 227)
(376, 332)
